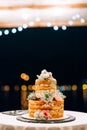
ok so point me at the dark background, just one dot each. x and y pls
(61, 52)
(64, 53)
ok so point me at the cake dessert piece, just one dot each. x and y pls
(45, 81)
(45, 102)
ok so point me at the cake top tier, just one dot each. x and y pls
(45, 75)
(45, 78)
(45, 81)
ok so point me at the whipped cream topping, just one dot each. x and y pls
(46, 75)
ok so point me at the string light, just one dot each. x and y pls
(70, 22)
(76, 17)
(82, 20)
(0, 33)
(64, 27)
(48, 24)
(55, 28)
(56, 14)
(31, 23)
(14, 30)
(25, 26)
(20, 29)
(6, 32)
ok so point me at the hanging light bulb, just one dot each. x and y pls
(6, 32)
(14, 30)
(55, 28)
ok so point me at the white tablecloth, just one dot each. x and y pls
(8, 122)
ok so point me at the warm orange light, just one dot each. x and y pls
(16, 88)
(6, 88)
(84, 86)
(24, 76)
(29, 87)
(23, 87)
(74, 87)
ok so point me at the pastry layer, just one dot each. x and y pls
(44, 87)
(55, 108)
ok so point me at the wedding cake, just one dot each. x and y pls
(45, 102)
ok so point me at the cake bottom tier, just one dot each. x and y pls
(55, 108)
(54, 113)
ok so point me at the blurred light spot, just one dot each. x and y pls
(84, 86)
(74, 87)
(16, 88)
(24, 76)
(0, 33)
(78, 16)
(31, 23)
(67, 87)
(25, 26)
(6, 88)
(30, 87)
(82, 20)
(23, 87)
(74, 17)
(49, 24)
(6, 32)
(55, 28)
(14, 30)
(64, 27)
(70, 22)
(20, 29)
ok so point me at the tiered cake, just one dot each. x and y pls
(45, 102)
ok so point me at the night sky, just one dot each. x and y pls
(64, 53)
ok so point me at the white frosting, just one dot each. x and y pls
(44, 74)
(47, 75)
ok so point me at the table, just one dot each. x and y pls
(9, 122)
